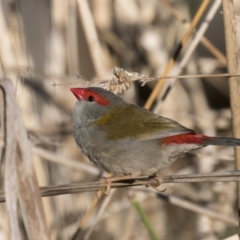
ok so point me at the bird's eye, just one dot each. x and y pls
(91, 99)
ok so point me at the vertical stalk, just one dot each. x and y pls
(234, 82)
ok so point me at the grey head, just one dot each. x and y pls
(93, 102)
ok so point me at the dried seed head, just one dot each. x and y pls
(120, 82)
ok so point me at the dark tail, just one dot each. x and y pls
(221, 141)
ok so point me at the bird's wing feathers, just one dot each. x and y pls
(133, 122)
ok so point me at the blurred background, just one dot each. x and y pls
(46, 46)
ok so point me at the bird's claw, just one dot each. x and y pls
(159, 181)
(106, 191)
(156, 185)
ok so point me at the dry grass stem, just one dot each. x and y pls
(181, 44)
(122, 79)
(205, 42)
(103, 207)
(167, 85)
(177, 201)
(20, 177)
(90, 210)
(91, 37)
(11, 186)
(215, 52)
(87, 214)
(233, 176)
(233, 65)
(67, 162)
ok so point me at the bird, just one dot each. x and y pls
(127, 140)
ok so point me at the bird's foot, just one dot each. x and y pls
(109, 181)
(158, 179)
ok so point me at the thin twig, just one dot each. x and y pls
(90, 210)
(87, 215)
(143, 78)
(121, 80)
(215, 51)
(233, 176)
(99, 214)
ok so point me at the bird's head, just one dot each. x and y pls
(94, 102)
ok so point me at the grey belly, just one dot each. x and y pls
(128, 157)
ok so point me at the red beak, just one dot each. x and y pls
(78, 92)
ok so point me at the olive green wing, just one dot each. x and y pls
(133, 122)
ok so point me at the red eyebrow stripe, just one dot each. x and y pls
(186, 138)
(98, 97)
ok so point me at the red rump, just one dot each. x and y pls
(186, 138)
